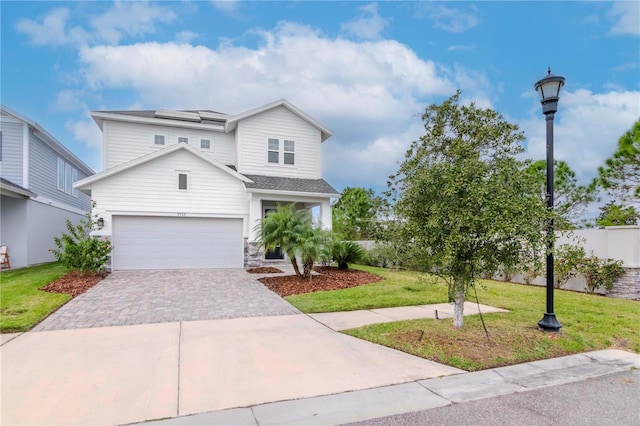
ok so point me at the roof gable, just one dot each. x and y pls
(233, 120)
(85, 184)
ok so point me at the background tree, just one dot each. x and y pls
(570, 199)
(354, 214)
(620, 175)
(612, 214)
(466, 205)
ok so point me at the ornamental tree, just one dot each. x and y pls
(464, 202)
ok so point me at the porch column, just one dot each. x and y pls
(255, 214)
(325, 214)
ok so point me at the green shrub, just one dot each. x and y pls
(78, 250)
(600, 272)
(567, 258)
(345, 252)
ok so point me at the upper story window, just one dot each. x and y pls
(66, 176)
(183, 140)
(205, 144)
(289, 152)
(274, 151)
(158, 139)
(286, 149)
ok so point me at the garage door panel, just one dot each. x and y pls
(142, 242)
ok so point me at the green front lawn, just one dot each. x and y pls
(397, 289)
(589, 322)
(22, 305)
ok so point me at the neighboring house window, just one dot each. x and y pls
(183, 140)
(182, 181)
(60, 174)
(289, 152)
(274, 150)
(67, 175)
(158, 139)
(74, 178)
(205, 144)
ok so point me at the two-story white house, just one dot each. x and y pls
(186, 189)
(37, 196)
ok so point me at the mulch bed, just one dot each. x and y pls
(328, 278)
(74, 283)
(264, 270)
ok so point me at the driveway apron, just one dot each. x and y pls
(157, 296)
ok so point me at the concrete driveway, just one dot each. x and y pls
(156, 296)
(116, 375)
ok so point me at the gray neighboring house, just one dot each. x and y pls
(36, 189)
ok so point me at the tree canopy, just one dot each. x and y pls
(354, 214)
(570, 199)
(620, 176)
(612, 214)
(462, 200)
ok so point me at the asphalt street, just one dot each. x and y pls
(613, 399)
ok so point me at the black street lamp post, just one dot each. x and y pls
(549, 90)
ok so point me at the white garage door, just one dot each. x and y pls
(146, 242)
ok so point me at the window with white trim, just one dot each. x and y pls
(66, 176)
(274, 151)
(74, 177)
(183, 183)
(183, 140)
(205, 144)
(60, 174)
(158, 139)
(289, 152)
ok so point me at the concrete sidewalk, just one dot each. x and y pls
(352, 319)
(423, 394)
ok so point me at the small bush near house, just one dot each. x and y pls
(78, 250)
(600, 272)
(568, 259)
(345, 252)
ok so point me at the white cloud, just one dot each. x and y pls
(448, 18)
(227, 6)
(586, 129)
(129, 18)
(625, 17)
(70, 100)
(186, 36)
(52, 30)
(132, 19)
(367, 25)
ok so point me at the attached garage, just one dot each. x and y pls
(152, 242)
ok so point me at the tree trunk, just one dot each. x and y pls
(294, 262)
(308, 267)
(458, 309)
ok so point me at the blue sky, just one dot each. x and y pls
(365, 70)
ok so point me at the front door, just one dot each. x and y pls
(275, 254)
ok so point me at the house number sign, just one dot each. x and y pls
(180, 214)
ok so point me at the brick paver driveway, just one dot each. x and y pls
(141, 297)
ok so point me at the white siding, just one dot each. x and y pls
(252, 135)
(153, 188)
(11, 166)
(128, 141)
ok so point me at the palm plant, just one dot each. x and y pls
(293, 231)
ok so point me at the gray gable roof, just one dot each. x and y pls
(318, 186)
